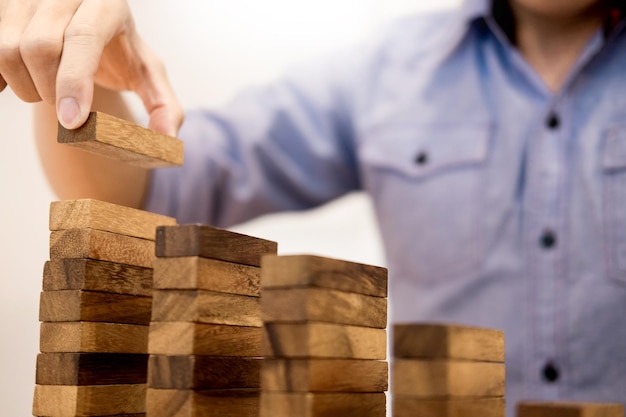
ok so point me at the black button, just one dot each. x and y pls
(548, 239)
(421, 158)
(553, 121)
(550, 372)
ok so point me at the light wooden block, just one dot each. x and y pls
(108, 217)
(211, 242)
(410, 406)
(99, 276)
(88, 400)
(202, 403)
(206, 307)
(569, 409)
(91, 369)
(448, 378)
(280, 305)
(324, 375)
(88, 337)
(185, 338)
(196, 273)
(203, 372)
(288, 271)
(103, 246)
(124, 141)
(77, 305)
(323, 340)
(447, 341)
(300, 404)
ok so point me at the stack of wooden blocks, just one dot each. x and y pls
(206, 330)
(569, 409)
(95, 310)
(325, 338)
(447, 370)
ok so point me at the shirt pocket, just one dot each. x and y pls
(427, 184)
(613, 161)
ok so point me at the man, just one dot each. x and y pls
(491, 140)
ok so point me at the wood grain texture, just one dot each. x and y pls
(203, 372)
(324, 375)
(91, 369)
(77, 305)
(125, 141)
(206, 307)
(203, 403)
(280, 305)
(289, 404)
(211, 242)
(569, 409)
(410, 406)
(88, 337)
(99, 245)
(89, 400)
(448, 378)
(323, 340)
(196, 273)
(307, 270)
(447, 341)
(184, 338)
(99, 276)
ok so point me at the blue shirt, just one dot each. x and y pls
(501, 203)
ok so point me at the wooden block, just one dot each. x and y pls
(323, 340)
(410, 406)
(448, 378)
(77, 305)
(196, 273)
(300, 404)
(99, 245)
(211, 242)
(108, 217)
(88, 337)
(445, 341)
(99, 276)
(125, 141)
(205, 403)
(184, 338)
(280, 305)
(206, 307)
(316, 271)
(324, 375)
(89, 400)
(569, 409)
(203, 372)
(91, 369)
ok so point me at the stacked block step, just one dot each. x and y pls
(569, 409)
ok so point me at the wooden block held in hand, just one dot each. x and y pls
(206, 307)
(569, 409)
(410, 406)
(77, 305)
(99, 276)
(446, 341)
(291, 404)
(99, 245)
(89, 400)
(196, 273)
(324, 375)
(203, 403)
(124, 141)
(323, 340)
(212, 242)
(280, 305)
(288, 271)
(88, 337)
(448, 378)
(91, 369)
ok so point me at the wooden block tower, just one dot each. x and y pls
(325, 338)
(569, 409)
(205, 334)
(447, 371)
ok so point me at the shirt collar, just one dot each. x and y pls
(474, 9)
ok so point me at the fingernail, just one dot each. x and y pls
(69, 112)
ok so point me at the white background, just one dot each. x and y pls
(212, 49)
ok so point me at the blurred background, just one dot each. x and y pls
(212, 49)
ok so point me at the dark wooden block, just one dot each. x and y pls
(203, 403)
(91, 369)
